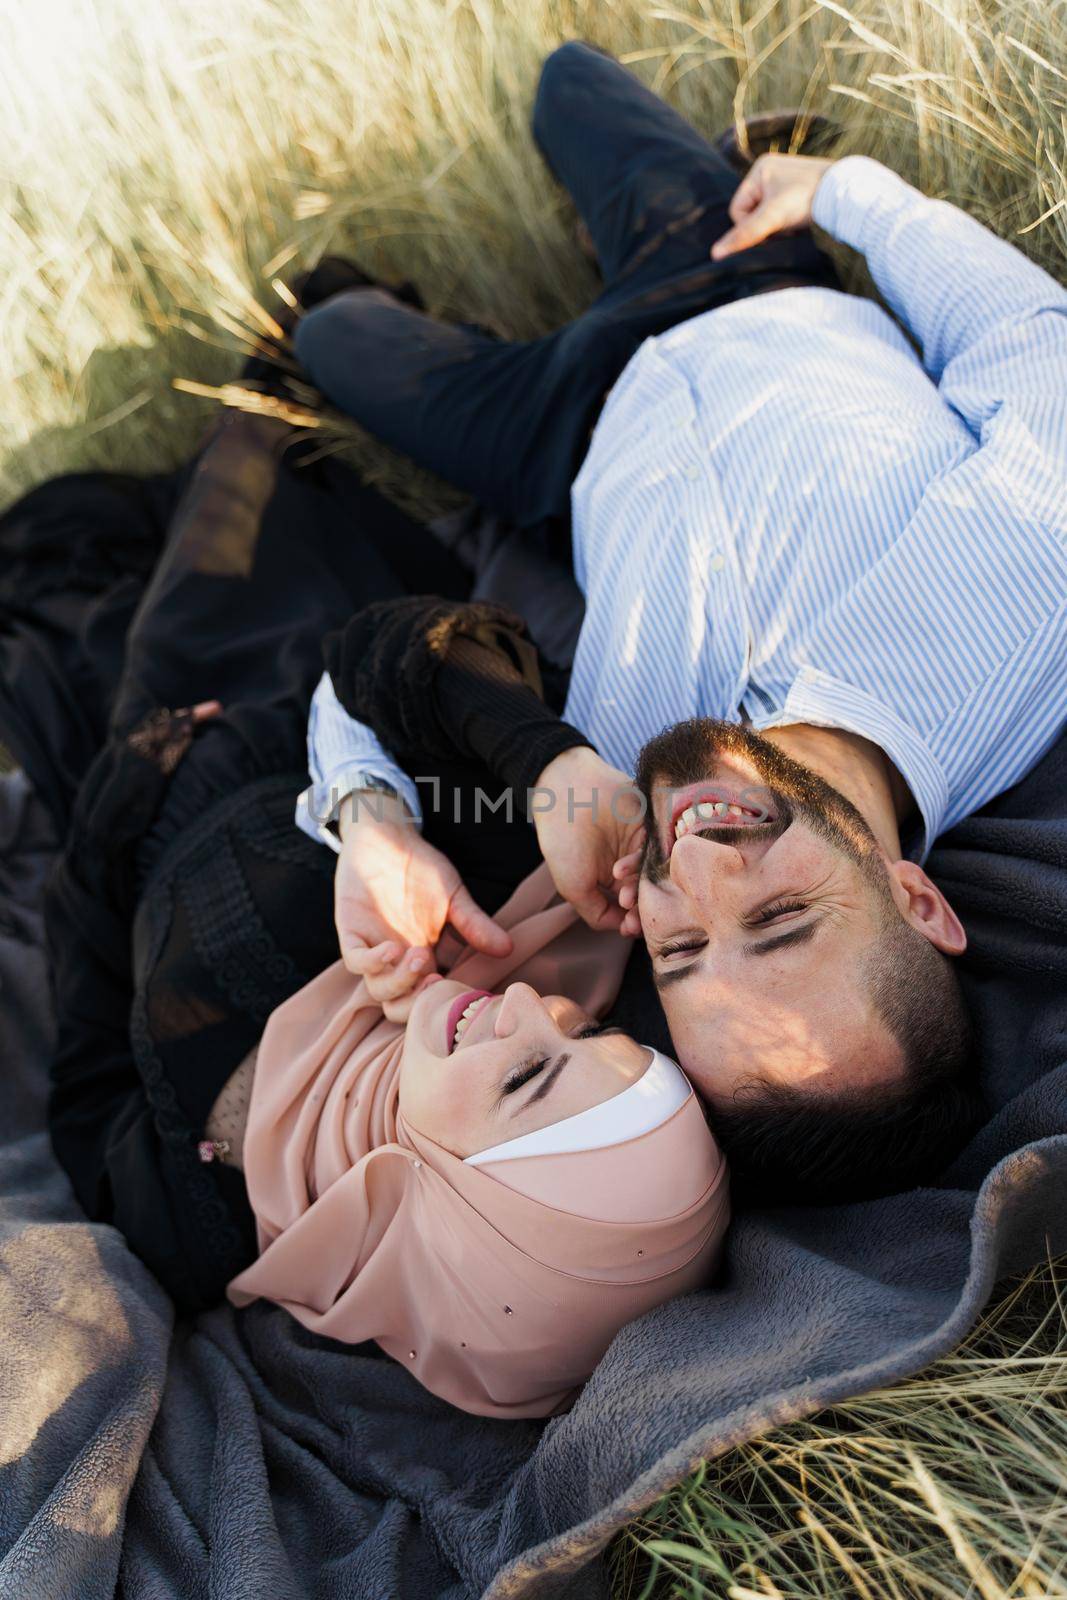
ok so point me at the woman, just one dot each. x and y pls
(490, 1190)
(187, 910)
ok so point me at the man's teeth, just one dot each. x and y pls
(708, 811)
(465, 1017)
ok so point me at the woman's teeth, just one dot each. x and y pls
(464, 1019)
(709, 811)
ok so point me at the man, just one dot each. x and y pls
(845, 559)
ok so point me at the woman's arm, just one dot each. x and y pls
(89, 909)
(396, 888)
(228, 1117)
(105, 1124)
(450, 682)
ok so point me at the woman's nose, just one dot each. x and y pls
(521, 1006)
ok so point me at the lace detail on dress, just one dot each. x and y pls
(292, 848)
(163, 738)
(231, 938)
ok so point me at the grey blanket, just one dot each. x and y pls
(240, 1456)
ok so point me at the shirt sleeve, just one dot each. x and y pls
(991, 324)
(339, 748)
(963, 621)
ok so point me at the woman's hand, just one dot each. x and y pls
(596, 816)
(394, 894)
(776, 197)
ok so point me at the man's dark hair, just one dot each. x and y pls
(786, 1146)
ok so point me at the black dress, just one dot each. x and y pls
(186, 905)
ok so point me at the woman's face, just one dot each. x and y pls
(479, 1068)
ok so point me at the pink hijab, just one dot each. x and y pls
(497, 1301)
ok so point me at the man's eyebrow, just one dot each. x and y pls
(782, 941)
(663, 980)
(545, 1086)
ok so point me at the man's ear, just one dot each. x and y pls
(922, 905)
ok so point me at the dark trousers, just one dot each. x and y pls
(510, 421)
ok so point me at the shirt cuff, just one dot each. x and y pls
(827, 702)
(850, 192)
(318, 803)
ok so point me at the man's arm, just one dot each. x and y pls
(991, 610)
(339, 748)
(393, 892)
(991, 324)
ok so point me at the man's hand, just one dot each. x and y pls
(393, 895)
(627, 874)
(595, 818)
(776, 197)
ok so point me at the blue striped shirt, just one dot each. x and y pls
(787, 514)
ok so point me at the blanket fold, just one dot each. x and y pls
(270, 1461)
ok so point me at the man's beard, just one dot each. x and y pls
(784, 789)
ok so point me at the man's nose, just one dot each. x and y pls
(522, 1005)
(704, 868)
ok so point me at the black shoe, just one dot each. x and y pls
(331, 276)
(800, 132)
(336, 273)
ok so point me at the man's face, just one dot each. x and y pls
(760, 910)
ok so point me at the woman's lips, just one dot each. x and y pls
(456, 1010)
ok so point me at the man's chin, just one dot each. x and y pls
(690, 750)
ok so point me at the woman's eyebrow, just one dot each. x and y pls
(545, 1086)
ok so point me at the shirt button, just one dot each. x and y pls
(718, 561)
(692, 472)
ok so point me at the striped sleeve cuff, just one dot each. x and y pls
(828, 702)
(317, 805)
(850, 191)
(341, 751)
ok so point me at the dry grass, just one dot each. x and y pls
(953, 1484)
(165, 162)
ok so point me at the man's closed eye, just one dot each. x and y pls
(789, 938)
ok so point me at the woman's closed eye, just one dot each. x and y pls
(523, 1074)
(529, 1069)
(593, 1030)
